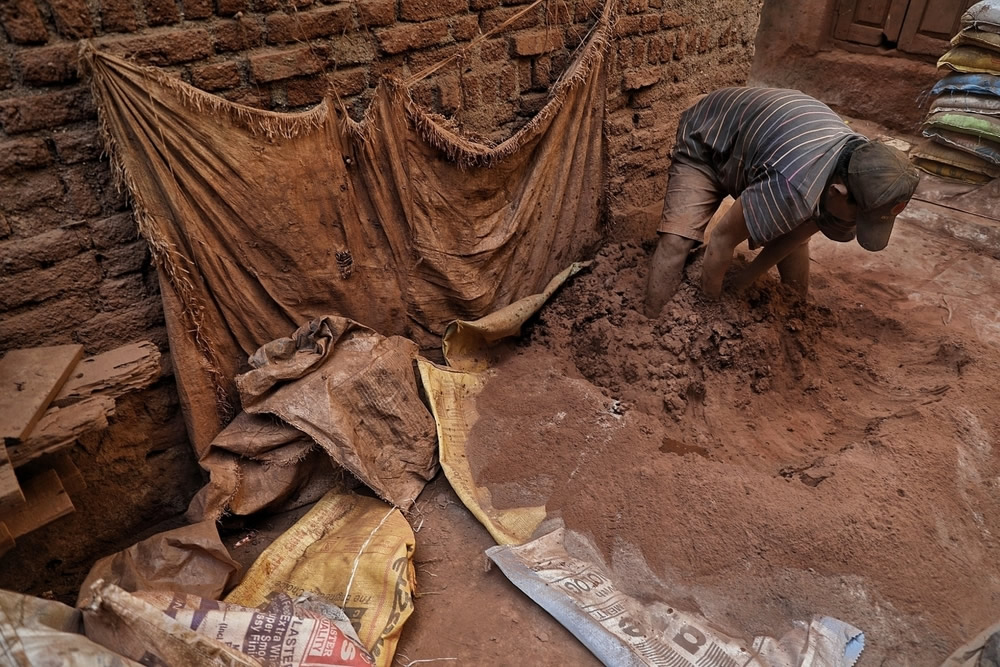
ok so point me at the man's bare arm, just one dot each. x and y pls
(775, 252)
(729, 233)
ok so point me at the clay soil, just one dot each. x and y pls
(763, 459)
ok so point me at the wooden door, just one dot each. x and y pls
(871, 22)
(930, 24)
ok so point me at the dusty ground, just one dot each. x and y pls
(766, 460)
(778, 460)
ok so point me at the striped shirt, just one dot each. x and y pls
(774, 149)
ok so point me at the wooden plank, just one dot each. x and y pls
(6, 539)
(29, 380)
(46, 500)
(60, 427)
(112, 374)
(69, 474)
(11, 496)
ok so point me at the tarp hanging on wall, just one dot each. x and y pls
(260, 221)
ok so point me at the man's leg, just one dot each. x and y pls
(666, 270)
(794, 269)
(692, 198)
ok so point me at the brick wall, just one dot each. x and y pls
(71, 265)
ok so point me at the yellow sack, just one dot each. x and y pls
(949, 171)
(985, 40)
(452, 395)
(352, 551)
(971, 59)
(466, 344)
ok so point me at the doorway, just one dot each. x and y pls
(918, 27)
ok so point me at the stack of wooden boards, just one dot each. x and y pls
(963, 125)
(49, 397)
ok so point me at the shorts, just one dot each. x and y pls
(693, 197)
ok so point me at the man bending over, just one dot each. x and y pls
(794, 168)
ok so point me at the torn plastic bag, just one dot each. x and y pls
(45, 633)
(351, 551)
(191, 559)
(163, 628)
(625, 632)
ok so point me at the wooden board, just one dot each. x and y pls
(29, 380)
(6, 539)
(60, 427)
(10, 491)
(69, 474)
(112, 374)
(45, 501)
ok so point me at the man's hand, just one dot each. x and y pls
(729, 233)
(665, 271)
(787, 252)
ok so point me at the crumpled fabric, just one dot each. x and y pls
(259, 221)
(335, 390)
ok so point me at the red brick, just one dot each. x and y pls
(628, 25)
(77, 145)
(649, 23)
(238, 35)
(230, 7)
(162, 12)
(118, 16)
(635, 79)
(119, 260)
(352, 49)
(108, 329)
(258, 97)
(301, 26)
(494, 49)
(670, 19)
(19, 154)
(680, 46)
(541, 72)
(524, 66)
(537, 42)
(22, 22)
(6, 76)
(587, 9)
(216, 77)
(373, 13)
(267, 5)
(198, 9)
(465, 28)
(277, 65)
(636, 6)
(29, 189)
(49, 65)
(122, 293)
(305, 91)
(164, 48)
(508, 82)
(407, 37)
(72, 275)
(421, 10)
(37, 325)
(479, 5)
(493, 18)
(80, 198)
(114, 231)
(419, 60)
(41, 251)
(449, 92)
(72, 18)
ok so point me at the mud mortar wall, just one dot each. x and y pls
(72, 268)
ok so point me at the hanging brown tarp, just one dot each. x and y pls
(261, 221)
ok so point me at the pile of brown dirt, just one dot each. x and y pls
(766, 459)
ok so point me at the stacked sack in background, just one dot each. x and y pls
(963, 124)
